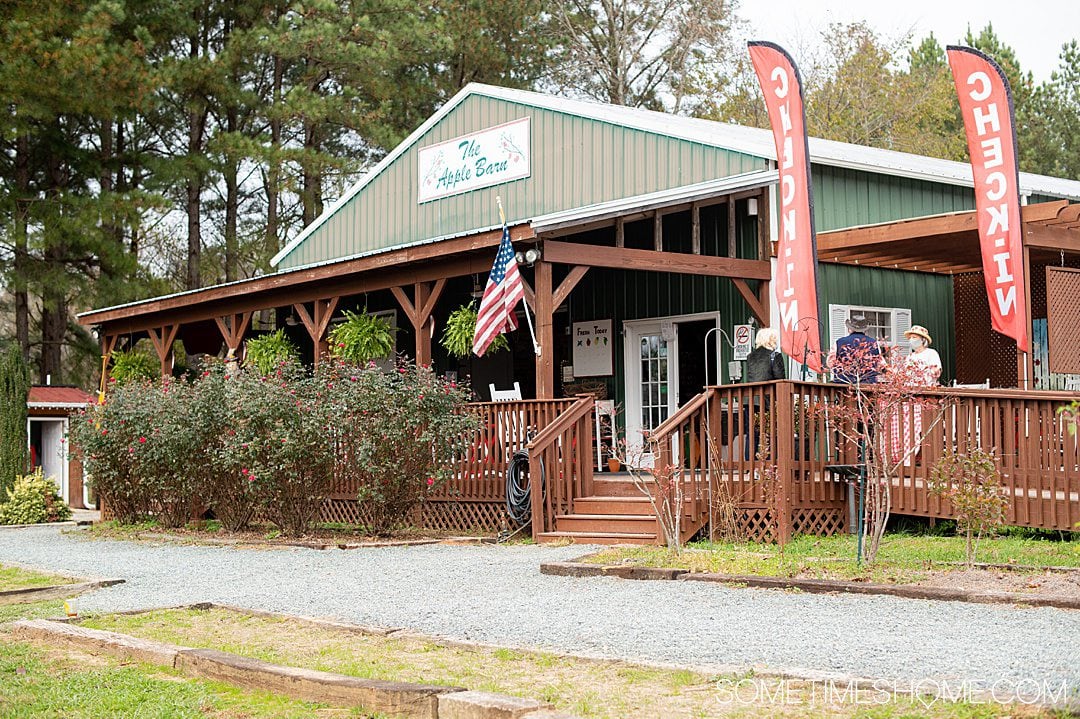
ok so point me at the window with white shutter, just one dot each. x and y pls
(887, 324)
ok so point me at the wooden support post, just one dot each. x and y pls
(785, 458)
(232, 328)
(763, 222)
(418, 311)
(316, 324)
(163, 338)
(108, 344)
(658, 231)
(545, 333)
(620, 232)
(695, 228)
(1025, 361)
(732, 243)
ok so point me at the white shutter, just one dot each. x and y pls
(901, 324)
(838, 315)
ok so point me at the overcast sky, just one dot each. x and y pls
(1036, 29)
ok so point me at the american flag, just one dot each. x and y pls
(504, 290)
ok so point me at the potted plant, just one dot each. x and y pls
(457, 338)
(362, 338)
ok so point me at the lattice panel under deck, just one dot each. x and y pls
(818, 522)
(757, 524)
(464, 516)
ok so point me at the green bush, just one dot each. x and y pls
(268, 352)
(395, 435)
(361, 338)
(33, 500)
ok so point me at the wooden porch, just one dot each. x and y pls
(761, 458)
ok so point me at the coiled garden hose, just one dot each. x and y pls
(518, 493)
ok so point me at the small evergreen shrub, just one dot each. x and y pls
(14, 389)
(33, 499)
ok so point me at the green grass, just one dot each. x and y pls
(32, 610)
(902, 557)
(16, 578)
(592, 690)
(37, 684)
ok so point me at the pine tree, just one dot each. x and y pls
(14, 389)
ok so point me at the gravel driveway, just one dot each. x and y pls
(497, 594)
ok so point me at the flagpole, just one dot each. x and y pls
(524, 302)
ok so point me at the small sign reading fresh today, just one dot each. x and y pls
(489, 157)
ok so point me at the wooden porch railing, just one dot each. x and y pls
(768, 448)
(561, 464)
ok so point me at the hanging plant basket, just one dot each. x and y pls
(457, 337)
(362, 338)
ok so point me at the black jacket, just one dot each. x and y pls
(764, 364)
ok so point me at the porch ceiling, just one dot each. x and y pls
(949, 243)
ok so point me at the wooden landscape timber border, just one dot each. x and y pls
(737, 670)
(54, 591)
(581, 569)
(401, 699)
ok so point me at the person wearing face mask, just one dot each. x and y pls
(922, 356)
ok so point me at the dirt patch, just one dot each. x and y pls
(1058, 584)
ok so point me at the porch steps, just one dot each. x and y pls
(638, 505)
(607, 523)
(598, 538)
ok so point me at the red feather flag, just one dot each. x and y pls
(987, 106)
(795, 284)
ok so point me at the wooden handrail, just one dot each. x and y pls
(548, 435)
(672, 423)
(990, 393)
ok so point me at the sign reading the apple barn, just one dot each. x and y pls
(592, 348)
(490, 157)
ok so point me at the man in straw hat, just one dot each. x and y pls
(857, 359)
(922, 356)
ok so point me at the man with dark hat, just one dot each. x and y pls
(857, 359)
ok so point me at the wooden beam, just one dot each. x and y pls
(732, 239)
(1048, 237)
(315, 277)
(658, 231)
(1068, 215)
(530, 296)
(695, 228)
(433, 297)
(759, 309)
(232, 329)
(317, 322)
(620, 232)
(369, 282)
(924, 227)
(570, 253)
(406, 305)
(567, 286)
(162, 339)
(545, 333)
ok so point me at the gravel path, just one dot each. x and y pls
(497, 594)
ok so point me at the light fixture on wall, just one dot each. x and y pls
(291, 320)
(751, 207)
(528, 257)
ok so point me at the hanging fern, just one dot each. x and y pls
(362, 338)
(457, 338)
(133, 365)
(266, 352)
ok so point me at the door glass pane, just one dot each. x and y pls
(654, 381)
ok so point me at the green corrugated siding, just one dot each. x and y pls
(849, 198)
(929, 297)
(575, 162)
